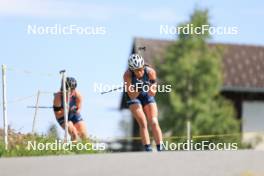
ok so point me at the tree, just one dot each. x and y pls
(53, 131)
(194, 71)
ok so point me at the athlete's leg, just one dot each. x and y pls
(81, 128)
(151, 112)
(138, 114)
(72, 131)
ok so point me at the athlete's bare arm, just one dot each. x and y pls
(128, 85)
(153, 87)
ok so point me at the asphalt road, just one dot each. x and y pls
(202, 163)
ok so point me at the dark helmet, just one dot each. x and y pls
(70, 83)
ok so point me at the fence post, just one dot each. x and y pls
(4, 106)
(189, 138)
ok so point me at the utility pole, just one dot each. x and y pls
(35, 114)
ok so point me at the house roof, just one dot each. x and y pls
(243, 65)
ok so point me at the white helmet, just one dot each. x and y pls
(135, 61)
